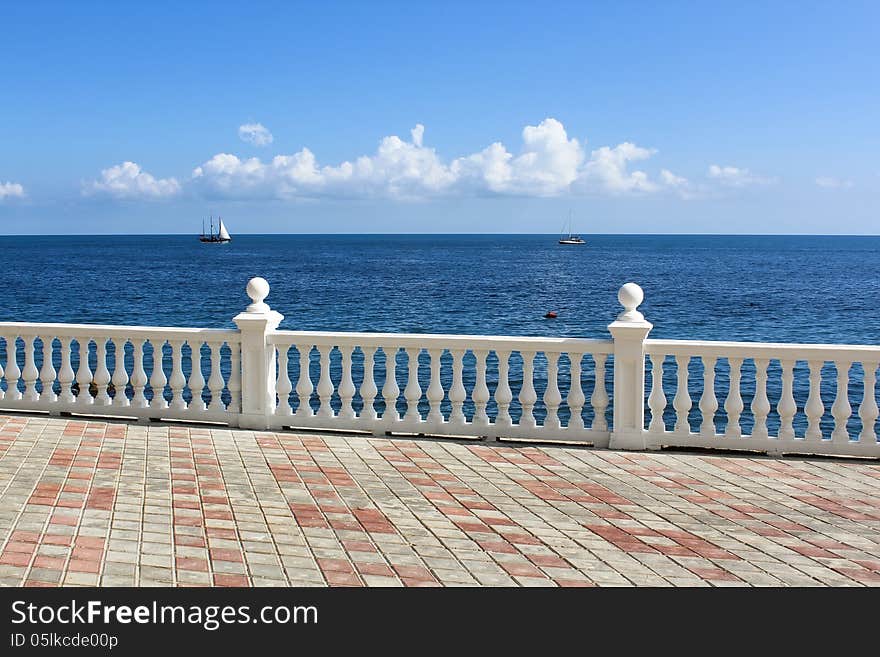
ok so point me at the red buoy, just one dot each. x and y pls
(550, 315)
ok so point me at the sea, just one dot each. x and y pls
(803, 289)
(823, 289)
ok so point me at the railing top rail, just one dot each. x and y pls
(114, 331)
(777, 350)
(427, 340)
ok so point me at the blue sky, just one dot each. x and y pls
(706, 117)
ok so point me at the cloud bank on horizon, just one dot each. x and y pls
(549, 163)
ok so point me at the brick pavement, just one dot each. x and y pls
(118, 504)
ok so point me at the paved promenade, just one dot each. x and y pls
(119, 504)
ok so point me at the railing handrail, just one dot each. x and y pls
(512, 343)
(113, 330)
(772, 350)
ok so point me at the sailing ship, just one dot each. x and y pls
(572, 238)
(220, 236)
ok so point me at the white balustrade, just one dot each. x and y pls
(254, 369)
(797, 426)
(84, 377)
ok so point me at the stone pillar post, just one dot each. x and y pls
(629, 333)
(258, 374)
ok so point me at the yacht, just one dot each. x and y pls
(222, 235)
(572, 238)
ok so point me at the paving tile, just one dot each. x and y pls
(86, 503)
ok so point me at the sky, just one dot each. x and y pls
(430, 117)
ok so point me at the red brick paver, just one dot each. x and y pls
(123, 504)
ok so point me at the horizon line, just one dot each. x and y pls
(428, 234)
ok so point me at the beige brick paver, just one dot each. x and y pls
(86, 503)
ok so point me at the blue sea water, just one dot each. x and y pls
(755, 288)
(765, 288)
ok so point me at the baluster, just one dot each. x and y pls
(480, 394)
(841, 409)
(65, 374)
(215, 378)
(815, 409)
(120, 374)
(787, 406)
(158, 380)
(234, 383)
(599, 398)
(283, 386)
(413, 392)
(435, 389)
(734, 404)
(304, 385)
(552, 397)
(760, 404)
(390, 391)
(84, 373)
(138, 375)
(708, 402)
(102, 374)
(527, 394)
(868, 411)
(325, 384)
(47, 371)
(13, 372)
(657, 398)
(503, 393)
(576, 398)
(457, 392)
(682, 401)
(3, 392)
(196, 378)
(177, 380)
(29, 374)
(368, 385)
(346, 385)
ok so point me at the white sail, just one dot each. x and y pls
(222, 232)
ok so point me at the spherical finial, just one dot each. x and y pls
(630, 296)
(257, 290)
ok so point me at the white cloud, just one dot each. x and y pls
(736, 177)
(607, 169)
(128, 181)
(833, 183)
(255, 133)
(549, 163)
(11, 190)
(682, 186)
(671, 180)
